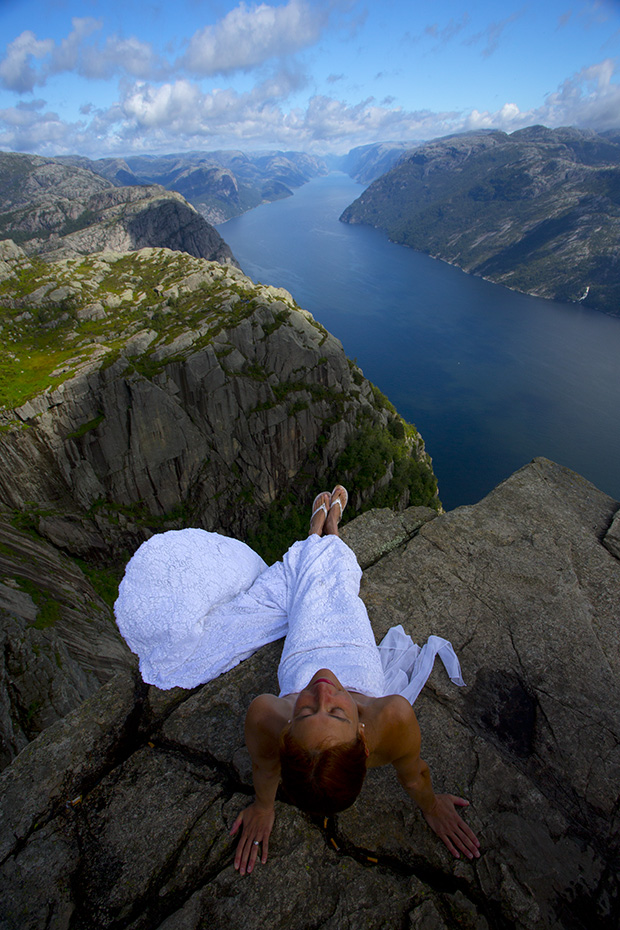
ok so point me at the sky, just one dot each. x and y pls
(123, 77)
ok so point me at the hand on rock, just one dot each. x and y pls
(451, 829)
(257, 826)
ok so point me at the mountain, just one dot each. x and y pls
(150, 390)
(119, 815)
(55, 209)
(368, 162)
(219, 184)
(537, 210)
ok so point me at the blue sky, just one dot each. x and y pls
(127, 76)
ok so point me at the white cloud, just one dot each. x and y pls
(27, 129)
(493, 33)
(250, 35)
(589, 99)
(180, 114)
(246, 38)
(122, 56)
(65, 56)
(16, 69)
(30, 61)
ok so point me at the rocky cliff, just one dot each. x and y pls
(366, 163)
(58, 210)
(148, 390)
(57, 642)
(219, 184)
(537, 210)
(118, 815)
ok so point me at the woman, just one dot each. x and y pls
(193, 604)
(319, 739)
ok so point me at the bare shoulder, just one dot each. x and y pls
(395, 730)
(265, 705)
(391, 711)
(266, 716)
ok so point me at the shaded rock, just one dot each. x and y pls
(63, 599)
(39, 682)
(612, 537)
(524, 588)
(58, 641)
(62, 210)
(235, 394)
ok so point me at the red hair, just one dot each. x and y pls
(322, 781)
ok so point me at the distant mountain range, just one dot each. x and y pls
(368, 162)
(219, 184)
(60, 210)
(537, 210)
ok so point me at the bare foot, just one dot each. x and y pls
(320, 507)
(338, 502)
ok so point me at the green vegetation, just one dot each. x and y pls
(365, 461)
(105, 581)
(48, 609)
(285, 521)
(47, 340)
(86, 427)
(361, 466)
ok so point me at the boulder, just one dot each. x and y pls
(119, 815)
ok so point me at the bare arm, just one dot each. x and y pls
(261, 729)
(413, 773)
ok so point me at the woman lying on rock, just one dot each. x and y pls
(193, 604)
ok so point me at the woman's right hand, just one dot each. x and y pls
(257, 826)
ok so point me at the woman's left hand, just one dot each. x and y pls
(257, 826)
(451, 828)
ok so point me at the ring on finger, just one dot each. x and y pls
(256, 843)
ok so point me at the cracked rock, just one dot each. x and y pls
(119, 815)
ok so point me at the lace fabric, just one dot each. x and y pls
(194, 604)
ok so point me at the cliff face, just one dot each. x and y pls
(177, 382)
(57, 642)
(119, 814)
(59, 211)
(368, 162)
(153, 390)
(219, 184)
(537, 210)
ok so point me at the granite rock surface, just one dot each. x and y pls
(118, 815)
(60, 211)
(146, 391)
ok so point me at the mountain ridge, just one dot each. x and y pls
(57, 210)
(219, 184)
(537, 210)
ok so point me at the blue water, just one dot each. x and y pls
(491, 378)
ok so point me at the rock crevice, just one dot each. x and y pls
(532, 743)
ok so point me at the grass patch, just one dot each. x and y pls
(26, 369)
(87, 427)
(105, 581)
(48, 609)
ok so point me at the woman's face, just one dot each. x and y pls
(324, 714)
